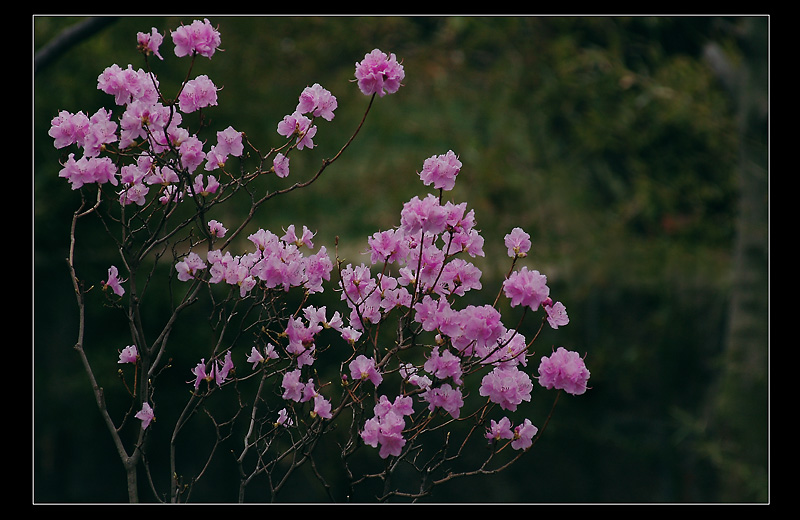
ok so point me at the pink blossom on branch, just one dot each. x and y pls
(441, 171)
(564, 370)
(199, 37)
(379, 74)
(150, 42)
(146, 415)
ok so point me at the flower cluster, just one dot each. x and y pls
(564, 370)
(385, 428)
(379, 74)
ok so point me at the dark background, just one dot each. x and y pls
(632, 149)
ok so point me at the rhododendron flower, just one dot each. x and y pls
(363, 368)
(146, 415)
(526, 287)
(299, 126)
(506, 386)
(556, 313)
(67, 128)
(199, 37)
(523, 435)
(257, 357)
(322, 407)
(221, 374)
(88, 170)
(187, 268)
(196, 94)
(192, 154)
(284, 419)
(386, 427)
(379, 74)
(500, 430)
(100, 132)
(229, 142)
(445, 397)
(292, 386)
(128, 85)
(200, 373)
(441, 171)
(113, 281)
(518, 243)
(303, 240)
(317, 101)
(443, 365)
(280, 165)
(129, 354)
(217, 229)
(134, 194)
(149, 43)
(564, 370)
(211, 186)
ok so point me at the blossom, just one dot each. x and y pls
(146, 415)
(129, 354)
(299, 126)
(134, 194)
(216, 228)
(113, 281)
(363, 368)
(280, 165)
(88, 170)
(196, 94)
(523, 435)
(506, 386)
(257, 357)
(292, 387)
(187, 268)
(379, 74)
(441, 170)
(128, 85)
(221, 374)
(229, 142)
(149, 43)
(500, 430)
(191, 152)
(303, 240)
(284, 419)
(385, 429)
(446, 397)
(518, 243)
(199, 37)
(200, 373)
(556, 313)
(526, 287)
(322, 407)
(564, 370)
(101, 131)
(67, 128)
(443, 365)
(317, 101)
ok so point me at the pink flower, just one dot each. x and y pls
(564, 370)
(134, 194)
(280, 165)
(303, 240)
(113, 281)
(528, 288)
(146, 415)
(292, 387)
(192, 154)
(379, 74)
(187, 268)
(196, 94)
(199, 37)
(284, 419)
(556, 314)
(441, 171)
(363, 368)
(67, 128)
(211, 186)
(223, 369)
(523, 435)
(299, 126)
(445, 397)
(128, 85)
(444, 365)
(500, 430)
(216, 228)
(317, 101)
(518, 243)
(322, 407)
(506, 386)
(88, 170)
(101, 131)
(386, 427)
(128, 355)
(200, 373)
(149, 43)
(257, 357)
(229, 142)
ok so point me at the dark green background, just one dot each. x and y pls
(636, 164)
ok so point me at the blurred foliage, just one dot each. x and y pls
(608, 139)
